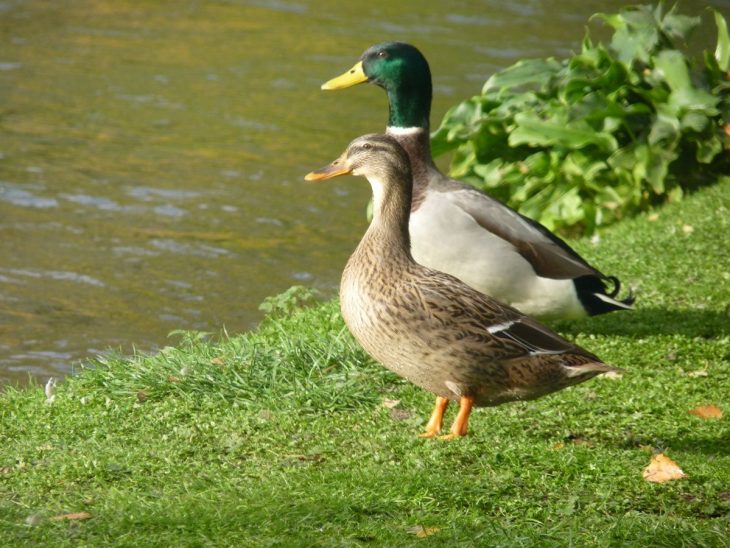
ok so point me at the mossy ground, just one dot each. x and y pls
(280, 436)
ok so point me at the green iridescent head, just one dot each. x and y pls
(403, 72)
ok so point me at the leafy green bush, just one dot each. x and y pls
(611, 131)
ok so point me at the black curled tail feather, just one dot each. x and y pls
(596, 298)
(628, 300)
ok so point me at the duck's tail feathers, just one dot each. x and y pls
(590, 369)
(596, 298)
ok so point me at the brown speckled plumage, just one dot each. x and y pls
(430, 327)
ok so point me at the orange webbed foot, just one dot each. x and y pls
(437, 418)
(460, 426)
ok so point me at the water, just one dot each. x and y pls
(152, 153)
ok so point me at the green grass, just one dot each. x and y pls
(280, 436)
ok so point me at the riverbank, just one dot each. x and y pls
(290, 434)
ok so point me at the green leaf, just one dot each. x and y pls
(456, 126)
(491, 173)
(568, 206)
(679, 26)
(722, 51)
(708, 149)
(673, 67)
(657, 168)
(537, 72)
(636, 33)
(694, 121)
(675, 194)
(665, 129)
(535, 131)
(463, 160)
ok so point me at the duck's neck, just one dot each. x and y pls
(409, 106)
(388, 231)
(417, 143)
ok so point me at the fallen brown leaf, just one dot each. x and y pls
(707, 412)
(390, 404)
(400, 414)
(662, 469)
(141, 396)
(578, 440)
(217, 361)
(71, 516)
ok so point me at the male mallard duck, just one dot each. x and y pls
(430, 327)
(460, 230)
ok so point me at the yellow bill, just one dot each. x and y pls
(350, 78)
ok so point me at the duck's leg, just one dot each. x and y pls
(437, 418)
(459, 426)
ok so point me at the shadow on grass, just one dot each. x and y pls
(694, 443)
(646, 322)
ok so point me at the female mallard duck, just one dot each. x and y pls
(430, 327)
(457, 229)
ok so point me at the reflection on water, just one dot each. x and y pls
(152, 153)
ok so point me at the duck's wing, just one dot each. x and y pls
(549, 256)
(471, 315)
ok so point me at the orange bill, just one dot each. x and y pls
(335, 169)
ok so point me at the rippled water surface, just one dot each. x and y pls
(152, 153)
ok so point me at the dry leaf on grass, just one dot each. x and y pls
(697, 373)
(662, 469)
(707, 412)
(72, 516)
(422, 532)
(579, 440)
(400, 414)
(390, 404)
(217, 361)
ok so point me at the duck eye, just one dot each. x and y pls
(383, 54)
(367, 146)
